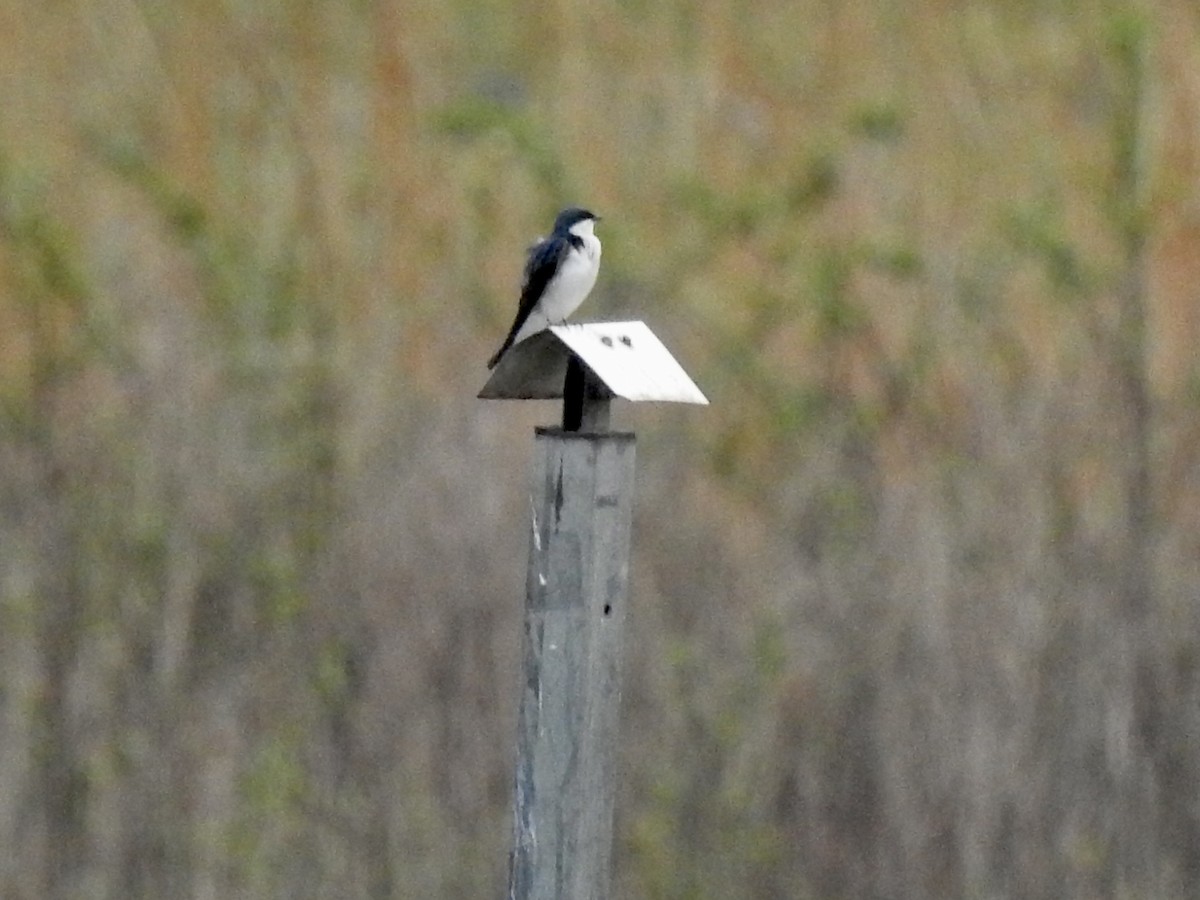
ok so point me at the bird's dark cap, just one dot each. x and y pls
(571, 216)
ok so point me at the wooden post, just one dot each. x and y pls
(582, 508)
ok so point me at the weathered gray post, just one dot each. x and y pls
(582, 508)
(581, 511)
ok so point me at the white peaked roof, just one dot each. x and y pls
(626, 356)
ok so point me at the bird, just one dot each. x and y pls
(559, 274)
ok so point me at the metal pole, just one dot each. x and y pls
(586, 400)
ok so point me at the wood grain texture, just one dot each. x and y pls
(581, 515)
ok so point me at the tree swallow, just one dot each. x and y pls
(559, 274)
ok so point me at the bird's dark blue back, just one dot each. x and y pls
(544, 259)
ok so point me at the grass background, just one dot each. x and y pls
(914, 601)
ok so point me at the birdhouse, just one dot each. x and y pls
(587, 365)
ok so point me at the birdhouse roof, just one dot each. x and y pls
(626, 357)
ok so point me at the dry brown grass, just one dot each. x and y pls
(914, 600)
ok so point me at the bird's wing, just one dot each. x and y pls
(544, 259)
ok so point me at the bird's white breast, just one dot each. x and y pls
(574, 280)
(569, 287)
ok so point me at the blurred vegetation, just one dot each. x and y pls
(914, 601)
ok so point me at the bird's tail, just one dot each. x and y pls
(508, 341)
(525, 326)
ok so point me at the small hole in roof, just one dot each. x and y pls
(606, 341)
(626, 340)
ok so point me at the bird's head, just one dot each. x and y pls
(575, 221)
